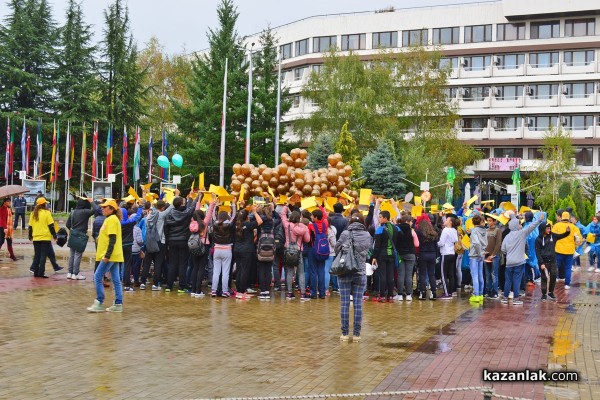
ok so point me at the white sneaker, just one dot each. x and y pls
(251, 291)
(511, 295)
(567, 287)
(408, 297)
(597, 270)
(201, 294)
(78, 277)
(69, 274)
(398, 297)
(155, 288)
(590, 269)
(142, 286)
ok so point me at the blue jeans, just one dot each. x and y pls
(491, 276)
(317, 275)
(103, 267)
(306, 262)
(352, 285)
(564, 262)
(476, 267)
(328, 277)
(512, 280)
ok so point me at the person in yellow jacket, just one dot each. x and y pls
(109, 252)
(41, 233)
(565, 248)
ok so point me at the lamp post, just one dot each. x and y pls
(278, 114)
(247, 158)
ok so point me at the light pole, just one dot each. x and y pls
(278, 114)
(247, 158)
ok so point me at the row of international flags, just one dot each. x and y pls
(69, 155)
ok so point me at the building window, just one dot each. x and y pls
(476, 93)
(299, 73)
(450, 93)
(295, 101)
(385, 39)
(509, 61)
(510, 31)
(542, 90)
(317, 68)
(584, 156)
(507, 123)
(535, 153)
(478, 33)
(485, 151)
(414, 37)
(449, 62)
(580, 27)
(543, 60)
(508, 152)
(545, 30)
(354, 42)
(301, 47)
(577, 122)
(324, 43)
(578, 90)
(286, 51)
(509, 92)
(542, 123)
(474, 124)
(579, 58)
(445, 35)
(476, 63)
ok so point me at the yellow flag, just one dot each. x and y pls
(241, 196)
(147, 186)
(132, 192)
(193, 183)
(201, 181)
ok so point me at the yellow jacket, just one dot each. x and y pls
(567, 245)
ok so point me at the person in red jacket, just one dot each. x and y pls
(6, 227)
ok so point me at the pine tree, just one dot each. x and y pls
(347, 147)
(199, 122)
(122, 90)
(27, 54)
(322, 147)
(76, 71)
(382, 172)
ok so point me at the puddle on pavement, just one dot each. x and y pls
(433, 347)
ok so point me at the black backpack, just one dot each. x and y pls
(61, 237)
(291, 254)
(279, 235)
(152, 236)
(265, 249)
(196, 246)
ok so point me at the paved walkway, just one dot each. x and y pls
(167, 345)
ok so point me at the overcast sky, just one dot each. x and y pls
(182, 24)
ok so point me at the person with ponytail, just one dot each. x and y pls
(41, 233)
(110, 254)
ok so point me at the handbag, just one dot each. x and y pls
(345, 262)
(77, 240)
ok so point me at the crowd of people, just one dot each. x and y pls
(265, 248)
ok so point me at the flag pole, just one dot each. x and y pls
(248, 118)
(223, 119)
(278, 114)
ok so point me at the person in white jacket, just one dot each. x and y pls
(448, 237)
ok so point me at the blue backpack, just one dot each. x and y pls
(321, 244)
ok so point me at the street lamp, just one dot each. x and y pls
(247, 158)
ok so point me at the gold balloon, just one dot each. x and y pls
(299, 163)
(332, 176)
(298, 173)
(283, 157)
(284, 179)
(340, 165)
(307, 190)
(299, 183)
(289, 161)
(283, 168)
(333, 190)
(303, 154)
(341, 185)
(248, 180)
(348, 170)
(255, 184)
(254, 174)
(236, 185)
(294, 153)
(354, 194)
(261, 168)
(240, 177)
(347, 180)
(264, 185)
(315, 192)
(338, 157)
(331, 160)
(237, 168)
(317, 180)
(235, 194)
(281, 189)
(273, 182)
(246, 169)
(267, 173)
(324, 187)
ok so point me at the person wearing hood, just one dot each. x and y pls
(353, 284)
(428, 252)
(177, 233)
(491, 263)
(532, 269)
(131, 215)
(513, 246)
(479, 242)
(565, 248)
(78, 221)
(295, 232)
(546, 257)
(406, 246)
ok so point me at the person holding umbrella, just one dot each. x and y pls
(41, 233)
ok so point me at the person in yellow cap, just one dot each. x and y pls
(565, 248)
(110, 254)
(41, 233)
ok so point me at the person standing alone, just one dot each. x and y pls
(20, 205)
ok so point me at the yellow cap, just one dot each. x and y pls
(487, 201)
(448, 206)
(110, 203)
(524, 209)
(434, 207)
(40, 201)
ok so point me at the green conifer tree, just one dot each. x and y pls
(383, 172)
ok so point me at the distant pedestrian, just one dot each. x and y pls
(20, 205)
(77, 224)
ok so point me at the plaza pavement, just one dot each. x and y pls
(172, 346)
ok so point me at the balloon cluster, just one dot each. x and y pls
(290, 177)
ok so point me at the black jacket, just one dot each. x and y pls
(545, 246)
(80, 216)
(404, 241)
(339, 222)
(382, 239)
(426, 246)
(177, 223)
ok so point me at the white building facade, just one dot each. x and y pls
(518, 68)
